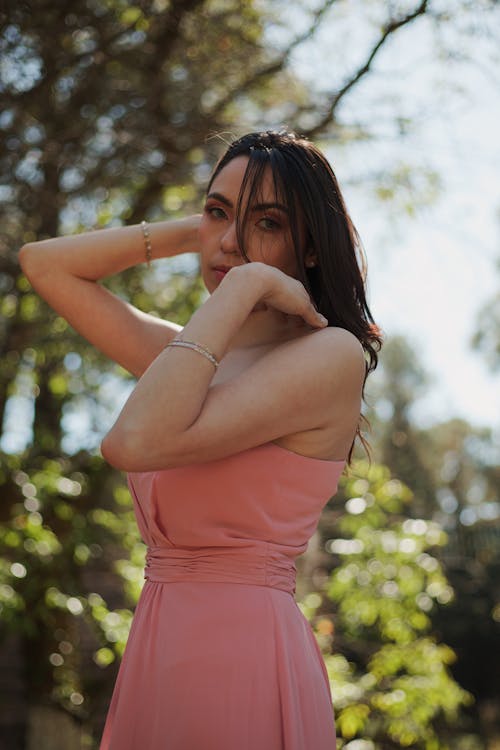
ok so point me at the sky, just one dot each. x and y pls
(430, 275)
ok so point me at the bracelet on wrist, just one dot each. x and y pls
(197, 348)
(147, 242)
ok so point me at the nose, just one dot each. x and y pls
(229, 240)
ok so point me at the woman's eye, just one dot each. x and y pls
(268, 224)
(216, 212)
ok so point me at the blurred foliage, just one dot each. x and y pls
(70, 524)
(390, 679)
(486, 337)
(452, 468)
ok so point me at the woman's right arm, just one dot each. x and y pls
(65, 271)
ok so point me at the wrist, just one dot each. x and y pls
(250, 282)
(174, 237)
(259, 276)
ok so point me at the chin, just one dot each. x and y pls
(208, 283)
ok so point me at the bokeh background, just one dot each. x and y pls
(114, 111)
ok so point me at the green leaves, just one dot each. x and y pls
(389, 677)
(53, 546)
(351, 721)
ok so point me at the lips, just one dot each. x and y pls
(220, 271)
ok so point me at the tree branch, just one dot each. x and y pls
(276, 66)
(391, 27)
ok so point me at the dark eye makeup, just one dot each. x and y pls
(215, 211)
(268, 223)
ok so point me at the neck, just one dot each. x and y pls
(267, 326)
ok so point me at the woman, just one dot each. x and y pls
(234, 439)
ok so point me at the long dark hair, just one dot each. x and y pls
(305, 183)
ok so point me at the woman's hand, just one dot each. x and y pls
(284, 293)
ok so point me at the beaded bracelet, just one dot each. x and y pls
(197, 348)
(147, 242)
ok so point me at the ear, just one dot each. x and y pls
(310, 259)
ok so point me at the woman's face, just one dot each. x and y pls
(267, 230)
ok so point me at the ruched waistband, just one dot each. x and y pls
(221, 564)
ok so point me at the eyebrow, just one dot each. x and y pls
(221, 198)
(264, 206)
(257, 207)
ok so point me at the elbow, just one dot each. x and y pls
(116, 450)
(25, 258)
(127, 450)
(29, 259)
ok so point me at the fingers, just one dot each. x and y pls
(292, 299)
(313, 316)
(316, 319)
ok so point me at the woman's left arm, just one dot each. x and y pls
(170, 395)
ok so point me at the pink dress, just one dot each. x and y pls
(219, 655)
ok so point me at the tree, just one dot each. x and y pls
(486, 338)
(401, 383)
(390, 677)
(456, 464)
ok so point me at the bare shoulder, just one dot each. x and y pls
(341, 340)
(335, 350)
(339, 373)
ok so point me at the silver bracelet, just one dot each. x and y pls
(147, 242)
(197, 348)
